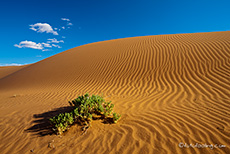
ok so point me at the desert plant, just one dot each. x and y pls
(84, 108)
(62, 121)
(116, 117)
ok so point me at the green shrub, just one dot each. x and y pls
(62, 121)
(116, 117)
(85, 107)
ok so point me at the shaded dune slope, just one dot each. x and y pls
(168, 88)
(7, 70)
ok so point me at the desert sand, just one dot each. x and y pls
(170, 89)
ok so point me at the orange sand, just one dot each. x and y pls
(169, 89)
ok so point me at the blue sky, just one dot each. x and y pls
(32, 30)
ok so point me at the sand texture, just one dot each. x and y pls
(168, 88)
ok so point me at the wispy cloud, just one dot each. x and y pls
(46, 45)
(12, 64)
(57, 46)
(29, 44)
(65, 19)
(54, 40)
(43, 27)
(69, 24)
(46, 49)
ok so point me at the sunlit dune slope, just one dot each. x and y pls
(168, 88)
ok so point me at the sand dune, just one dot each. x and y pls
(168, 88)
(7, 70)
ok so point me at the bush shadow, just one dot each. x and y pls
(108, 120)
(41, 125)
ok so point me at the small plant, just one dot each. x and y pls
(62, 122)
(116, 117)
(85, 107)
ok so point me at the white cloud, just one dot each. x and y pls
(46, 45)
(57, 46)
(46, 50)
(54, 40)
(43, 27)
(12, 64)
(65, 19)
(39, 56)
(29, 44)
(70, 24)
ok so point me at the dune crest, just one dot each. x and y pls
(170, 89)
